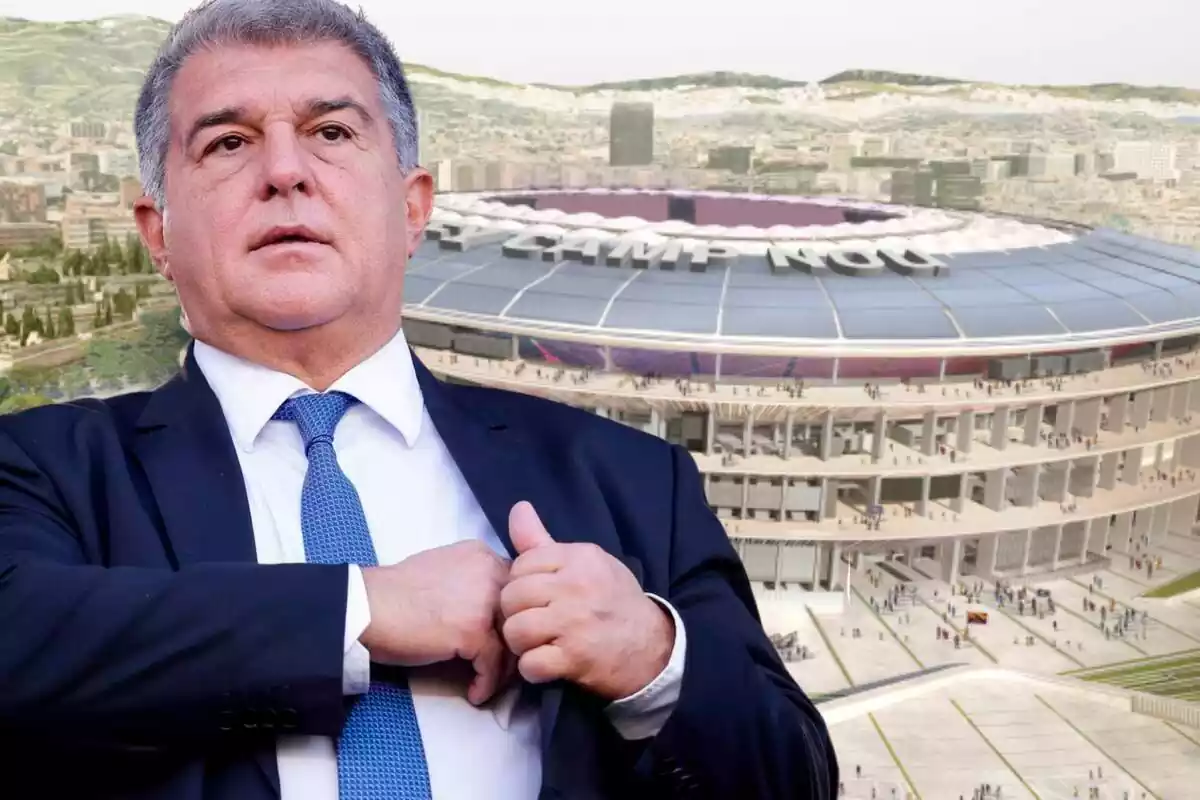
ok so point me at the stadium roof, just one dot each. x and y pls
(1007, 286)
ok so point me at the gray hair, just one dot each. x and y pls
(266, 23)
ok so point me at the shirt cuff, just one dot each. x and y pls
(643, 714)
(356, 661)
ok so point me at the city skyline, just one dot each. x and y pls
(1072, 43)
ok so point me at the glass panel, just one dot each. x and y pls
(558, 353)
(884, 368)
(665, 363)
(775, 367)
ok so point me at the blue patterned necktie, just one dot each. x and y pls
(380, 756)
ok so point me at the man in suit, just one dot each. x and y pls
(305, 568)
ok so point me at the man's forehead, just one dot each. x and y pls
(269, 80)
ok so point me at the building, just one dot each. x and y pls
(1149, 160)
(23, 234)
(631, 135)
(963, 411)
(1053, 166)
(22, 200)
(734, 159)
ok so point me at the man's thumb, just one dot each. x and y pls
(526, 528)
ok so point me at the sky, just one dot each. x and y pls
(1151, 42)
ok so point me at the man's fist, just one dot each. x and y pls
(573, 612)
(440, 605)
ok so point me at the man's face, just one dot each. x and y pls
(286, 208)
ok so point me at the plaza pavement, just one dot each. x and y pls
(1031, 741)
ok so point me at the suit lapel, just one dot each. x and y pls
(500, 466)
(186, 452)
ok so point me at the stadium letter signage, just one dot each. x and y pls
(625, 251)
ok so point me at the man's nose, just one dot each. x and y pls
(285, 163)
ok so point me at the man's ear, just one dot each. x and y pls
(150, 228)
(418, 205)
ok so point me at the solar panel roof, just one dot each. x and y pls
(1101, 281)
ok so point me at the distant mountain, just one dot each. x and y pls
(50, 71)
(705, 80)
(896, 78)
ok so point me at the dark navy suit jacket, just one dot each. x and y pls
(145, 653)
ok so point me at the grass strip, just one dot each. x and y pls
(994, 749)
(828, 643)
(1178, 657)
(895, 758)
(1184, 583)
(1092, 742)
(888, 628)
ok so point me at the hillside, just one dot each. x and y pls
(51, 71)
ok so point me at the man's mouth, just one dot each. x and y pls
(294, 234)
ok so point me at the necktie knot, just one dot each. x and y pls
(316, 415)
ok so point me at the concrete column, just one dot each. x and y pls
(1025, 551)
(1133, 466)
(745, 494)
(748, 432)
(785, 485)
(1183, 515)
(1027, 480)
(829, 497)
(1120, 531)
(1087, 415)
(710, 431)
(1160, 404)
(818, 552)
(826, 435)
(951, 553)
(1056, 558)
(966, 431)
(1118, 408)
(835, 568)
(657, 426)
(779, 565)
(1160, 519)
(959, 500)
(1190, 449)
(1108, 470)
(788, 432)
(1141, 523)
(1083, 545)
(929, 433)
(1158, 456)
(1085, 474)
(1000, 422)
(874, 489)
(1181, 399)
(823, 488)
(923, 501)
(1064, 417)
(1033, 424)
(985, 555)
(1141, 409)
(879, 440)
(1098, 530)
(993, 489)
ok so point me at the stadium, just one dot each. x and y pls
(972, 394)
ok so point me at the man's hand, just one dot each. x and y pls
(574, 612)
(440, 605)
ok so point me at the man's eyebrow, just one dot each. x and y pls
(313, 108)
(224, 116)
(319, 108)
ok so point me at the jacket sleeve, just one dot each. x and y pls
(742, 727)
(132, 657)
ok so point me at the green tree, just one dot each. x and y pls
(66, 322)
(48, 326)
(108, 313)
(11, 326)
(123, 305)
(98, 318)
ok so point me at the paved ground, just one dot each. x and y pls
(1029, 740)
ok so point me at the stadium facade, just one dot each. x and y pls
(1006, 396)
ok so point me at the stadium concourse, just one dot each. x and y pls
(903, 416)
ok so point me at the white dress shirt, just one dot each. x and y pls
(414, 498)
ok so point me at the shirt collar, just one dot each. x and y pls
(250, 393)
